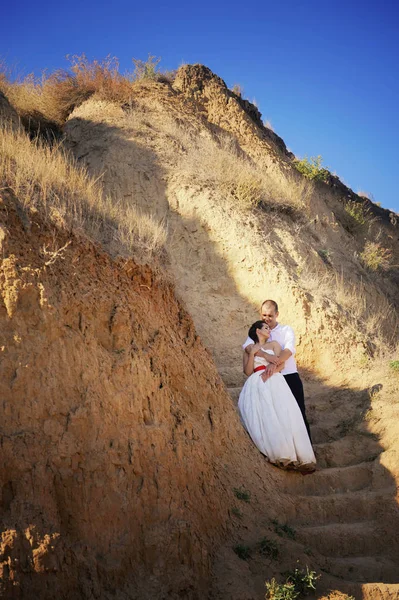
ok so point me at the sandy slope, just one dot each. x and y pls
(224, 262)
(116, 474)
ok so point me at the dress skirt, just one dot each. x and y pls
(274, 421)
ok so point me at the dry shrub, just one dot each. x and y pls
(55, 96)
(365, 195)
(47, 179)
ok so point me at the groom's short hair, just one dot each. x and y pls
(270, 302)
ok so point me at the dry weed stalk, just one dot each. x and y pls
(54, 255)
(47, 179)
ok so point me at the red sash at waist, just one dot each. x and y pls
(260, 368)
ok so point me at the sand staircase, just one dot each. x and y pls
(338, 513)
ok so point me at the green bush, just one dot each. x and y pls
(304, 581)
(284, 530)
(312, 168)
(280, 591)
(242, 551)
(242, 494)
(146, 69)
(375, 256)
(299, 582)
(357, 211)
(394, 364)
(268, 548)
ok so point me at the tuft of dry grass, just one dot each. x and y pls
(367, 310)
(365, 195)
(51, 98)
(219, 161)
(268, 125)
(55, 96)
(47, 179)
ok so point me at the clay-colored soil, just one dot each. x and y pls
(120, 434)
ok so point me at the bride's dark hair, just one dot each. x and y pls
(252, 331)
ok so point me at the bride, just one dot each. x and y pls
(269, 410)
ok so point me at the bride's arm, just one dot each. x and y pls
(248, 360)
(272, 367)
(277, 351)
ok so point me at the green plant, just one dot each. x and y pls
(304, 581)
(280, 591)
(312, 168)
(284, 530)
(146, 69)
(242, 551)
(358, 212)
(325, 255)
(394, 365)
(375, 256)
(268, 548)
(242, 494)
(236, 512)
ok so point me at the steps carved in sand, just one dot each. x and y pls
(339, 511)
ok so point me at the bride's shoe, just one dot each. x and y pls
(307, 469)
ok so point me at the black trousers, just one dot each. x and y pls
(296, 387)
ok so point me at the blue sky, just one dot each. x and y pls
(324, 73)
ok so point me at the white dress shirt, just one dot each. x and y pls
(285, 336)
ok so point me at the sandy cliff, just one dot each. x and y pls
(122, 446)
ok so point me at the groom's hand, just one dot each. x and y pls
(273, 360)
(268, 372)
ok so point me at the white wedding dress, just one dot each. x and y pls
(273, 419)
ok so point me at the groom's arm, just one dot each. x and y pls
(259, 353)
(288, 346)
(283, 356)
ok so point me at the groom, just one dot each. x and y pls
(284, 335)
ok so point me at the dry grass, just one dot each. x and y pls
(217, 160)
(55, 96)
(268, 125)
(366, 309)
(220, 162)
(45, 178)
(51, 98)
(365, 195)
